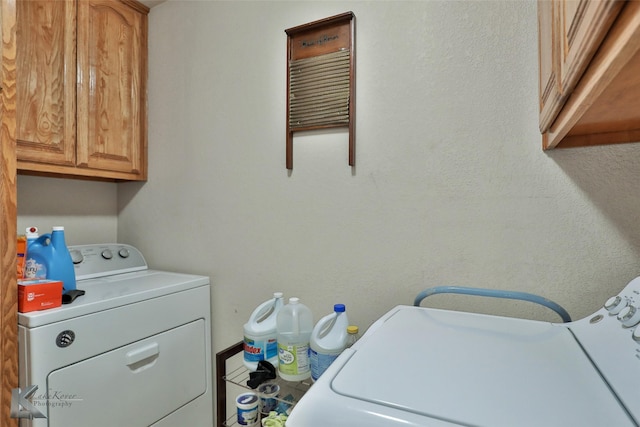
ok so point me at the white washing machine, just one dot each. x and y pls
(418, 366)
(134, 351)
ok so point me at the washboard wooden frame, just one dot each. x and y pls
(321, 79)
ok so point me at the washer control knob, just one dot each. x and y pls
(614, 305)
(629, 316)
(76, 256)
(636, 334)
(106, 254)
(124, 253)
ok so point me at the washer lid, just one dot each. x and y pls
(479, 370)
(114, 291)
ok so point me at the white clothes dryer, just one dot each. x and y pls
(134, 351)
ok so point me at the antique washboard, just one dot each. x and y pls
(321, 78)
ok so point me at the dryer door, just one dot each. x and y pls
(135, 385)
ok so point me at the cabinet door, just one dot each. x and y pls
(582, 27)
(550, 97)
(570, 32)
(111, 86)
(46, 81)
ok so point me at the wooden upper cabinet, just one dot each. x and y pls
(582, 27)
(589, 72)
(46, 81)
(88, 91)
(550, 94)
(111, 86)
(570, 33)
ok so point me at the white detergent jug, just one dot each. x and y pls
(328, 339)
(260, 333)
(295, 323)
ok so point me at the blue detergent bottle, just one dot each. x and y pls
(61, 265)
(52, 249)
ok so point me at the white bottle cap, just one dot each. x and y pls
(32, 232)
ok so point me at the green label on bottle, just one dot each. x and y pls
(293, 359)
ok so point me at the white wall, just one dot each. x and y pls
(450, 187)
(88, 210)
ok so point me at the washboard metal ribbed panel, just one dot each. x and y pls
(321, 78)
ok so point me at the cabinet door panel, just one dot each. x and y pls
(549, 87)
(111, 88)
(583, 26)
(570, 33)
(46, 81)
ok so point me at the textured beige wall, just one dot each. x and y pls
(450, 186)
(87, 210)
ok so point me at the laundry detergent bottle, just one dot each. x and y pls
(295, 323)
(50, 250)
(328, 339)
(61, 266)
(261, 334)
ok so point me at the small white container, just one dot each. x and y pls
(268, 393)
(354, 335)
(248, 405)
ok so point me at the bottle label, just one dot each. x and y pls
(247, 413)
(320, 362)
(34, 270)
(256, 350)
(247, 417)
(293, 359)
(271, 349)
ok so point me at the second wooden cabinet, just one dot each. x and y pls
(589, 72)
(81, 88)
(570, 32)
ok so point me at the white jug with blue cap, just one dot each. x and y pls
(328, 339)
